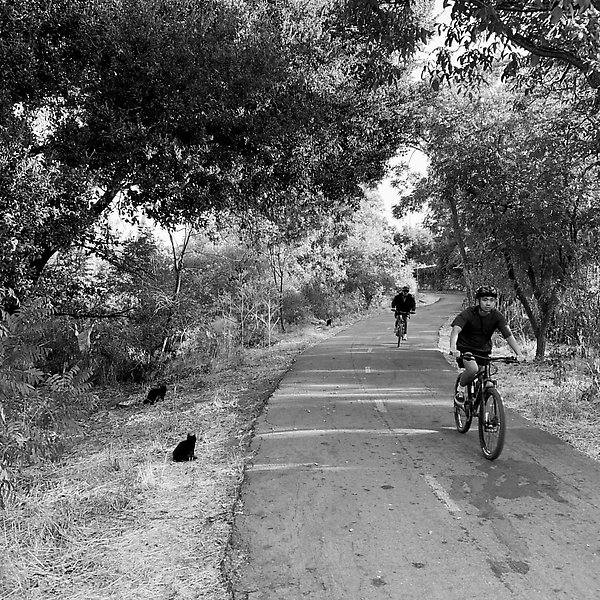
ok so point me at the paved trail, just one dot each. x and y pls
(361, 489)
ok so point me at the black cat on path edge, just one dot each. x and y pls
(155, 393)
(184, 451)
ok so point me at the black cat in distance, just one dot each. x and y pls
(155, 393)
(184, 451)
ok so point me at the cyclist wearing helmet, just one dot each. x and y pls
(404, 302)
(472, 331)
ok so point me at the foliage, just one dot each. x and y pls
(375, 265)
(382, 35)
(555, 41)
(577, 320)
(514, 184)
(36, 407)
(178, 109)
(417, 243)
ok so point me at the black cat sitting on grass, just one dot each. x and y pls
(155, 393)
(184, 451)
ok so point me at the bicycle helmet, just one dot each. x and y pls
(486, 290)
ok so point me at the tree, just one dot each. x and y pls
(375, 265)
(181, 108)
(514, 182)
(541, 34)
(382, 36)
(36, 407)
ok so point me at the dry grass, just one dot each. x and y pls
(560, 404)
(117, 518)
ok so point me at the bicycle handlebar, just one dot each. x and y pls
(505, 359)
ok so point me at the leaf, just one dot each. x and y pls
(556, 15)
(534, 60)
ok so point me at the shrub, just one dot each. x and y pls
(128, 351)
(36, 407)
(319, 298)
(295, 308)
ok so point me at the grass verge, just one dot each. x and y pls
(116, 518)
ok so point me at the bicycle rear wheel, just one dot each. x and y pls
(492, 424)
(463, 415)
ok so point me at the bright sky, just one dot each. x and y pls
(417, 163)
(416, 160)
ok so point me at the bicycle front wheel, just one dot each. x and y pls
(492, 424)
(463, 415)
(400, 330)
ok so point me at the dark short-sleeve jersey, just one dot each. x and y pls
(477, 330)
(404, 303)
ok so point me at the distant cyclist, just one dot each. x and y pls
(404, 303)
(472, 331)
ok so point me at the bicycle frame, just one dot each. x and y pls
(403, 316)
(482, 380)
(485, 402)
(401, 324)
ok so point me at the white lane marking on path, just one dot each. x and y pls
(442, 494)
(379, 405)
(315, 432)
(299, 466)
(395, 369)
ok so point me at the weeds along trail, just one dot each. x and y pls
(116, 518)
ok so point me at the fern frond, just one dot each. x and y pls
(36, 408)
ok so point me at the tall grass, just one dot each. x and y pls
(559, 395)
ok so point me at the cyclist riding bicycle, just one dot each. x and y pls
(404, 303)
(472, 331)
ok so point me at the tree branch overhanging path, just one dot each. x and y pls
(563, 32)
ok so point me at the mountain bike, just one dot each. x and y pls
(401, 325)
(484, 402)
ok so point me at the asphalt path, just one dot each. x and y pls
(361, 488)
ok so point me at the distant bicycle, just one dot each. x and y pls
(485, 402)
(401, 325)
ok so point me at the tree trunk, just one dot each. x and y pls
(540, 343)
(278, 270)
(546, 306)
(178, 256)
(460, 241)
(49, 249)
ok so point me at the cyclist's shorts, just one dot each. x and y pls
(461, 364)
